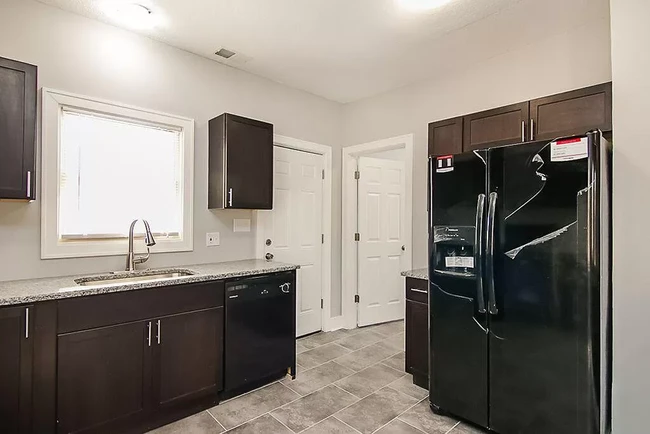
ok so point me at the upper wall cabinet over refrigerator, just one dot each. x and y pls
(240, 163)
(17, 129)
(564, 114)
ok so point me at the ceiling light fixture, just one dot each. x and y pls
(133, 15)
(421, 5)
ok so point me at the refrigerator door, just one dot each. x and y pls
(457, 318)
(542, 305)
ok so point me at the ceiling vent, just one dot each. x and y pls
(225, 53)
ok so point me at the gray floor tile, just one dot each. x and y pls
(320, 355)
(396, 341)
(405, 385)
(313, 379)
(398, 362)
(463, 428)
(376, 410)
(331, 425)
(313, 408)
(426, 420)
(266, 424)
(249, 406)
(201, 423)
(389, 328)
(318, 339)
(399, 427)
(300, 347)
(359, 340)
(365, 357)
(371, 379)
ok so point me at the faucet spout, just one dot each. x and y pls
(132, 258)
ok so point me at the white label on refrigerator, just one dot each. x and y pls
(459, 262)
(569, 149)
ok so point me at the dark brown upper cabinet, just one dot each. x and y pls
(16, 359)
(501, 126)
(566, 114)
(446, 137)
(570, 113)
(17, 129)
(240, 163)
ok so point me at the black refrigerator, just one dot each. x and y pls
(519, 275)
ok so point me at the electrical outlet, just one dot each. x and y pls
(212, 239)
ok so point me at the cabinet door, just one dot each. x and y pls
(446, 137)
(17, 129)
(502, 126)
(249, 163)
(16, 350)
(417, 338)
(104, 378)
(189, 355)
(572, 113)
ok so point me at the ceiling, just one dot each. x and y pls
(346, 50)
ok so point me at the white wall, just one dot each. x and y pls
(631, 280)
(83, 56)
(557, 63)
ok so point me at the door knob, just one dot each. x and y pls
(403, 248)
(269, 256)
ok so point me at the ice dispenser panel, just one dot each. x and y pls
(454, 250)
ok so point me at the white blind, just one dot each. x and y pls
(113, 171)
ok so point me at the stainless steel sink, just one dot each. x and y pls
(137, 277)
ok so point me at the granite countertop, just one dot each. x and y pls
(54, 288)
(419, 273)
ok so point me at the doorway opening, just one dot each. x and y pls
(377, 229)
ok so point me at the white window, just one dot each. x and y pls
(105, 165)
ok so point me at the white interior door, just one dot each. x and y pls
(292, 230)
(381, 211)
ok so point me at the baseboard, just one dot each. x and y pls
(334, 323)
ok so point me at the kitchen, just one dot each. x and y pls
(572, 45)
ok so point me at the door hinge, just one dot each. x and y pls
(357, 174)
(323, 173)
(356, 298)
(321, 303)
(322, 238)
(357, 237)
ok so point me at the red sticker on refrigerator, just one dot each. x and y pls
(445, 164)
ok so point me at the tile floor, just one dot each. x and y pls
(348, 382)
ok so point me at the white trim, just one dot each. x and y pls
(349, 260)
(326, 153)
(53, 101)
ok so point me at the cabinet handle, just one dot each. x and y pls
(29, 184)
(532, 129)
(422, 291)
(158, 335)
(523, 131)
(26, 323)
(230, 197)
(149, 333)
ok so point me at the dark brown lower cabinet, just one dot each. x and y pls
(188, 356)
(16, 354)
(417, 331)
(417, 342)
(104, 378)
(111, 379)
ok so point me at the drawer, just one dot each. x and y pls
(417, 290)
(83, 313)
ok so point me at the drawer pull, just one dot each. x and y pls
(423, 291)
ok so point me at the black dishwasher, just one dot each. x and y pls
(260, 340)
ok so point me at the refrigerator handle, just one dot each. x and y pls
(478, 252)
(492, 206)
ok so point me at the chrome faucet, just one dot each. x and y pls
(132, 258)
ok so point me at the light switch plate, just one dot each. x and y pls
(241, 225)
(212, 239)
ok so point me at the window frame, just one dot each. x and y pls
(53, 103)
